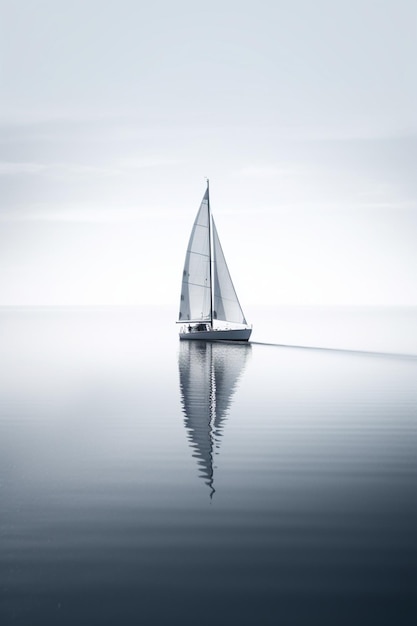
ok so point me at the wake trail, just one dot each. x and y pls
(396, 355)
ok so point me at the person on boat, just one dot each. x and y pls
(189, 328)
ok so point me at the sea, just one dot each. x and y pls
(144, 480)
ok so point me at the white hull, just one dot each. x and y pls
(234, 334)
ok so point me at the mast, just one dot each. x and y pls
(210, 253)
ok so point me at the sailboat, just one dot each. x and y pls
(209, 307)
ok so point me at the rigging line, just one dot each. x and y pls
(198, 253)
(197, 285)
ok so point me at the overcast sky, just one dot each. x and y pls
(303, 114)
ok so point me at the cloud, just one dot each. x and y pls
(12, 168)
(266, 171)
(86, 214)
(146, 162)
(9, 168)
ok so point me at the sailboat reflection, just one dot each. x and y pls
(209, 373)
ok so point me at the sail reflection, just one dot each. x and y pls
(209, 375)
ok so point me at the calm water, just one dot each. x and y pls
(147, 482)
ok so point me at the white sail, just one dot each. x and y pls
(209, 306)
(225, 302)
(195, 304)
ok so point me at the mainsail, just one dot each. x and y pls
(195, 302)
(207, 291)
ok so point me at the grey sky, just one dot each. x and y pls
(303, 114)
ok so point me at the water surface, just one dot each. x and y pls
(147, 481)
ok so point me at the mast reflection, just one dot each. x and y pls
(209, 375)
